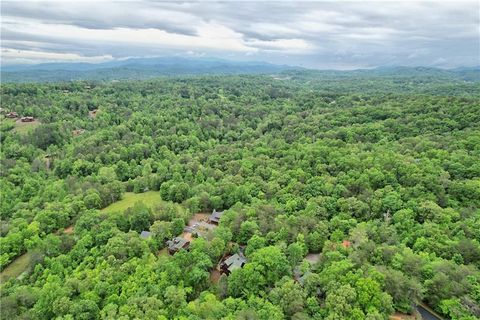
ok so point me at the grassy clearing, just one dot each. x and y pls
(150, 198)
(16, 268)
(25, 127)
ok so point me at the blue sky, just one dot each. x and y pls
(318, 34)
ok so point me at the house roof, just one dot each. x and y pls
(235, 262)
(216, 215)
(177, 243)
(145, 234)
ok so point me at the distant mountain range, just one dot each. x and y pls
(136, 68)
(147, 68)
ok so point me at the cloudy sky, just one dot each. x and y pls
(320, 34)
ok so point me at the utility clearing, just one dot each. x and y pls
(149, 198)
(16, 268)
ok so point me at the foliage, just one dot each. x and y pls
(378, 172)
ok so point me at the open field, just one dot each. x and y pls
(16, 268)
(25, 127)
(150, 198)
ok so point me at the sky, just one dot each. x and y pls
(318, 34)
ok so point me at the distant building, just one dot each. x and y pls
(27, 119)
(93, 113)
(145, 234)
(176, 244)
(78, 132)
(12, 115)
(236, 261)
(215, 217)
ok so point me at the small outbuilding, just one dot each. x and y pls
(236, 261)
(176, 244)
(78, 132)
(92, 114)
(27, 119)
(12, 115)
(215, 216)
(145, 234)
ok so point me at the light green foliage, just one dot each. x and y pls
(150, 198)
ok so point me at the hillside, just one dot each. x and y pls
(135, 69)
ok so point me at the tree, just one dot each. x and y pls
(107, 174)
(247, 230)
(295, 253)
(92, 199)
(289, 296)
(140, 217)
(272, 263)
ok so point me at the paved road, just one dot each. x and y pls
(426, 315)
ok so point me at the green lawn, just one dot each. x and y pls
(16, 268)
(25, 127)
(150, 198)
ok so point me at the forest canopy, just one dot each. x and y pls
(350, 197)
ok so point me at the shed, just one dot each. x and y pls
(176, 244)
(236, 261)
(145, 234)
(215, 216)
(27, 119)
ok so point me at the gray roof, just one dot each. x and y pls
(216, 215)
(177, 243)
(235, 262)
(145, 234)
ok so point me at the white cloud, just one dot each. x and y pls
(29, 56)
(315, 34)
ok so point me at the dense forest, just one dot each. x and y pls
(377, 177)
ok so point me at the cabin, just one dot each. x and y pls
(78, 132)
(176, 244)
(236, 261)
(12, 115)
(215, 217)
(145, 234)
(27, 119)
(93, 113)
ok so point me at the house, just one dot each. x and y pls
(145, 234)
(77, 132)
(236, 261)
(93, 113)
(176, 244)
(215, 216)
(27, 119)
(346, 244)
(12, 115)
